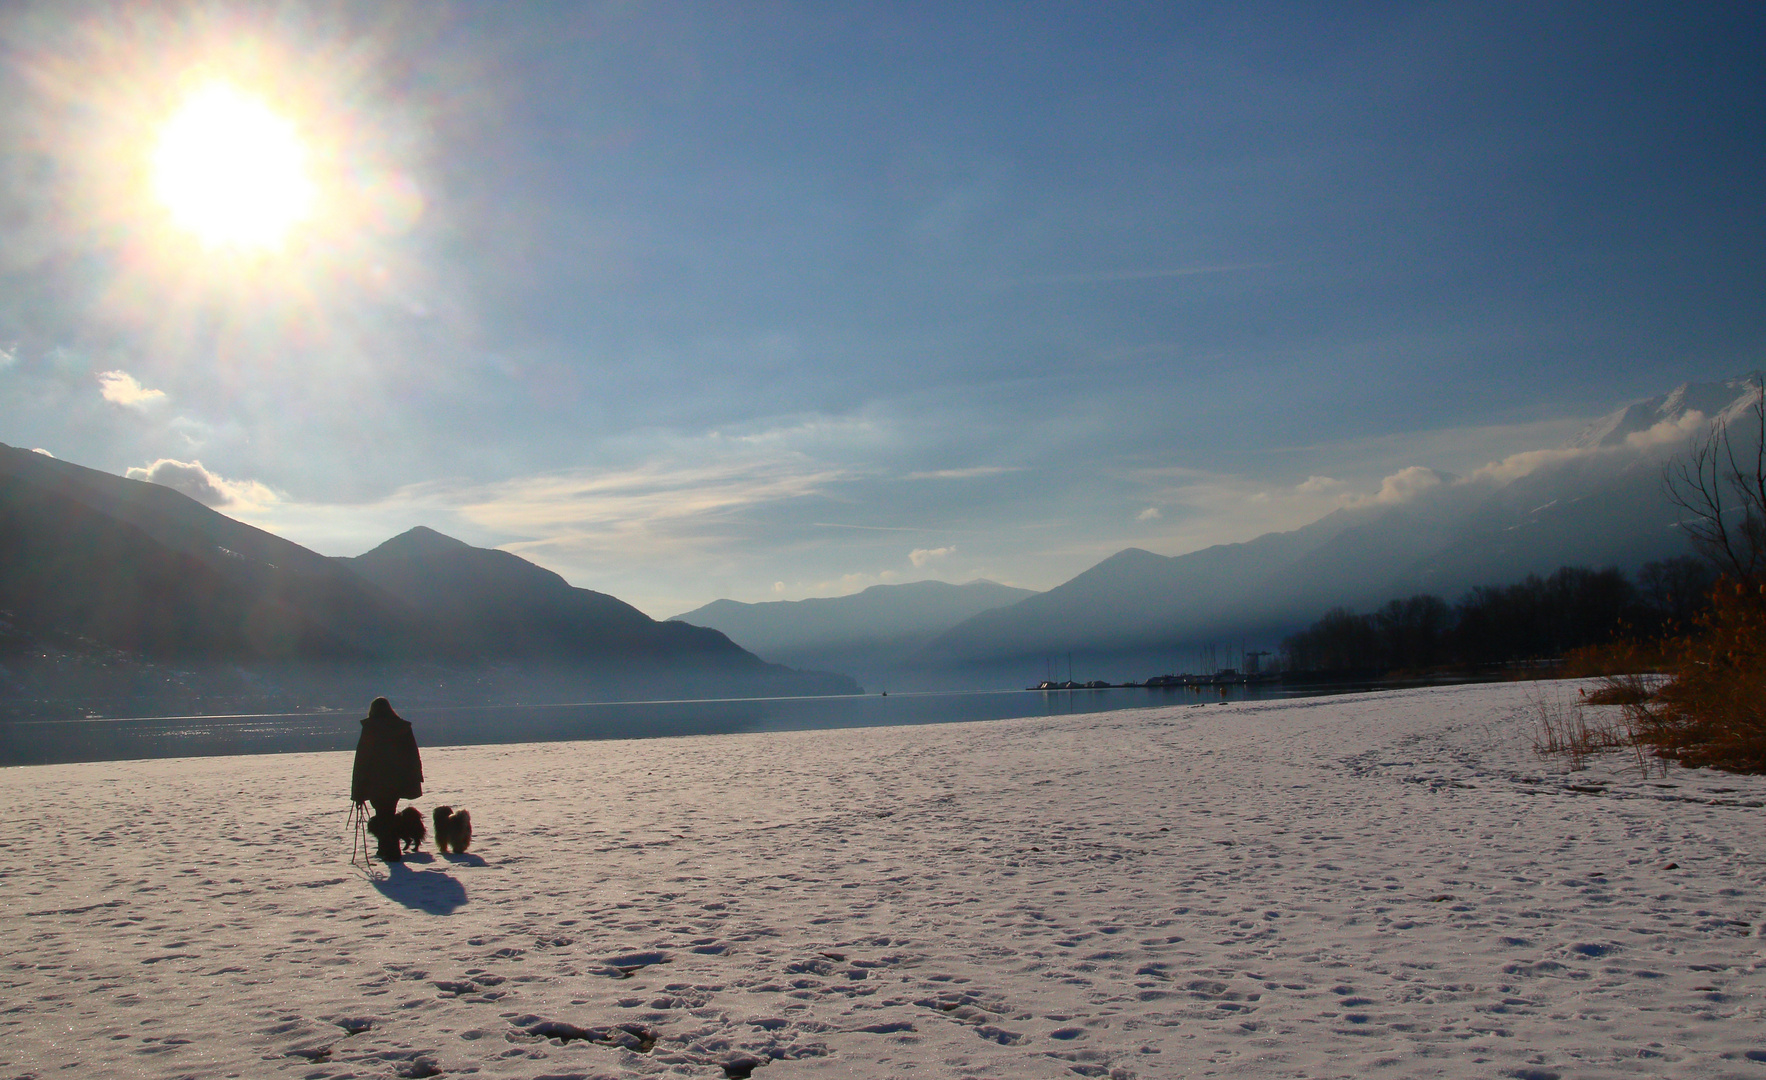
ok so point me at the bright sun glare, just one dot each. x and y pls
(231, 171)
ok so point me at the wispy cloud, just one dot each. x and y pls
(1151, 513)
(657, 504)
(122, 388)
(964, 474)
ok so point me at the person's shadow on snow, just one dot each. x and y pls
(426, 890)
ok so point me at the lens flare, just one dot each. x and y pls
(231, 171)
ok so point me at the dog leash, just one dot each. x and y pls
(358, 826)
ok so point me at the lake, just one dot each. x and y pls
(27, 742)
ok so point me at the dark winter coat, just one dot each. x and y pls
(387, 764)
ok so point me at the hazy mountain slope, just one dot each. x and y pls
(1569, 516)
(1598, 501)
(870, 635)
(879, 614)
(1134, 598)
(91, 562)
(500, 606)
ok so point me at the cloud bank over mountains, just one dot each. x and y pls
(192, 479)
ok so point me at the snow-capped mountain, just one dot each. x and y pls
(1686, 406)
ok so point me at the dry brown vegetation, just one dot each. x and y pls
(1699, 698)
(1624, 658)
(1713, 711)
(1565, 729)
(1632, 689)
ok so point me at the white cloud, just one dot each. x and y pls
(1315, 484)
(40, 450)
(1668, 431)
(122, 388)
(1405, 485)
(207, 488)
(921, 556)
(1528, 462)
(1151, 513)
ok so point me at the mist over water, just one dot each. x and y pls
(48, 742)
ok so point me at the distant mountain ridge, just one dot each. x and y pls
(91, 561)
(1596, 502)
(878, 613)
(867, 634)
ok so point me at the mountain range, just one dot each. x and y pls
(147, 592)
(872, 635)
(158, 600)
(1597, 501)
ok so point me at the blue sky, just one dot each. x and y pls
(770, 301)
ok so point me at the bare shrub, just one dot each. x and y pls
(1721, 484)
(1713, 711)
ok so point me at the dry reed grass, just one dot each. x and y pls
(1570, 731)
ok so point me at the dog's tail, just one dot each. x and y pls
(462, 830)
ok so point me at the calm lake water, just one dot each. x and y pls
(45, 742)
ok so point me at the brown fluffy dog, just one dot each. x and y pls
(453, 828)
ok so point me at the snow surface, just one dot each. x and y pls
(1375, 885)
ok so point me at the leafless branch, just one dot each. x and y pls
(1723, 490)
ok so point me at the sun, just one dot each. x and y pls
(231, 171)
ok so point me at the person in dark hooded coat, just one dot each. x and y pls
(387, 769)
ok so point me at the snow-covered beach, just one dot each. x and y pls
(1388, 884)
